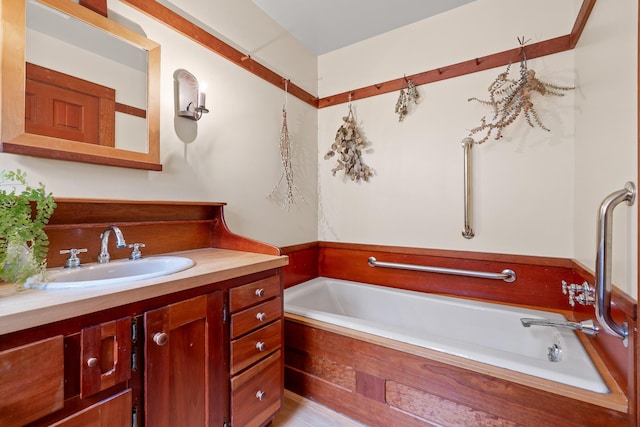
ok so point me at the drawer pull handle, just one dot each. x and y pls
(261, 316)
(160, 338)
(260, 395)
(260, 292)
(92, 362)
(261, 346)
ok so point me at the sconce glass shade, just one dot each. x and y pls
(191, 102)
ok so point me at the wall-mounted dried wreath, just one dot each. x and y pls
(509, 98)
(348, 146)
(407, 96)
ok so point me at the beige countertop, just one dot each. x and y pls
(22, 309)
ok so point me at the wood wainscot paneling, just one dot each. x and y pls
(538, 280)
(303, 263)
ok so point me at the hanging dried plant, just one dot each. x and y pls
(287, 169)
(348, 146)
(510, 98)
(407, 96)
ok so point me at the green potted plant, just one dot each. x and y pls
(24, 212)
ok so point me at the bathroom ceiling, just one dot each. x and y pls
(326, 25)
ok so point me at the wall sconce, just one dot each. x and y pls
(191, 102)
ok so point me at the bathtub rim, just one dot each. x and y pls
(615, 400)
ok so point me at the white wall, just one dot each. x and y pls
(523, 183)
(607, 133)
(231, 154)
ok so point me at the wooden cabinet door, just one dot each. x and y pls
(185, 383)
(105, 356)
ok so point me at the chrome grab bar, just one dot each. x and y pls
(467, 232)
(588, 327)
(506, 275)
(603, 260)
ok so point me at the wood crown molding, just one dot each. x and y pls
(199, 35)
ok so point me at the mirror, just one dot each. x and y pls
(109, 113)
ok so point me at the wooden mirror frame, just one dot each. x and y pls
(12, 93)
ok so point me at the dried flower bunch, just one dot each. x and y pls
(348, 145)
(407, 96)
(510, 98)
(287, 169)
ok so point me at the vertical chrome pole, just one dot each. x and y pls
(467, 232)
(603, 260)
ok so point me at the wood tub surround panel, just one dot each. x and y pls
(410, 384)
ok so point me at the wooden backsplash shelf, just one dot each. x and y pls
(163, 226)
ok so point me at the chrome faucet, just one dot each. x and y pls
(588, 327)
(104, 256)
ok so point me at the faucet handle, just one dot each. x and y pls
(584, 294)
(73, 261)
(135, 253)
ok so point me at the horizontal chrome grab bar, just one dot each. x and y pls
(506, 275)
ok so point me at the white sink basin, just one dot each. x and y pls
(114, 272)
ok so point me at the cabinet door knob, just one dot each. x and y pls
(260, 394)
(92, 362)
(160, 338)
(260, 292)
(261, 346)
(261, 316)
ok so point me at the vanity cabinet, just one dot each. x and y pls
(208, 356)
(255, 352)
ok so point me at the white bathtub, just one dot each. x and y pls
(483, 332)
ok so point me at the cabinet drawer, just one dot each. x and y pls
(114, 411)
(255, 317)
(253, 293)
(253, 347)
(31, 381)
(256, 395)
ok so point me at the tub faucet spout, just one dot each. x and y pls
(104, 256)
(588, 327)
